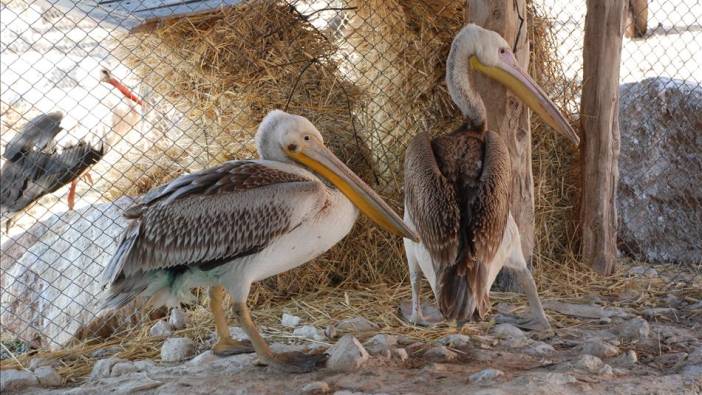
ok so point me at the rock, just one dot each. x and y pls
(47, 376)
(404, 340)
(654, 312)
(177, 349)
(356, 324)
(347, 355)
(205, 358)
(484, 375)
(585, 310)
(380, 344)
(330, 332)
(238, 333)
(103, 367)
(507, 331)
(61, 265)
(38, 362)
(178, 320)
(160, 328)
(455, 340)
(599, 348)
(636, 329)
(658, 200)
(606, 371)
(315, 388)
(289, 320)
(308, 332)
(400, 353)
(143, 383)
(539, 349)
(589, 363)
(439, 354)
(628, 359)
(127, 367)
(695, 355)
(694, 371)
(15, 380)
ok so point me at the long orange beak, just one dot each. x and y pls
(107, 77)
(510, 74)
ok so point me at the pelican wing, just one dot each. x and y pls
(36, 135)
(457, 190)
(211, 217)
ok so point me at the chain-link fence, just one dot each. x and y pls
(368, 74)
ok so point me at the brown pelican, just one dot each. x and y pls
(241, 222)
(457, 189)
(36, 164)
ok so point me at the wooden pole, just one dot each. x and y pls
(599, 116)
(507, 115)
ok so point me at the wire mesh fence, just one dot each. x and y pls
(368, 74)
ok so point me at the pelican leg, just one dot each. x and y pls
(225, 345)
(88, 178)
(292, 362)
(72, 194)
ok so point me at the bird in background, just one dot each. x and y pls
(457, 191)
(240, 222)
(39, 160)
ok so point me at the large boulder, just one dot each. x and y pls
(51, 273)
(660, 170)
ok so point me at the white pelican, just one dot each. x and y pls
(241, 222)
(457, 189)
(39, 162)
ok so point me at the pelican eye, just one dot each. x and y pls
(502, 50)
(307, 138)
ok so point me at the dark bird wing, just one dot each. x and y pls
(457, 194)
(37, 173)
(36, 135)
(211, 217)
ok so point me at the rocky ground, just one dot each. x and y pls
(597, 346)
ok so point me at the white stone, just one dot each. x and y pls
(507, 331)
(635, 329)
(654, 312)
(103, 367)
(176, 349)
(589, 363)
(47, 376)
(347, 355)
(627, 359)
(400, 353)
(439, 354)
(315, 387)
(308, 332)
(127, 367)
(380, 344)
(204, 358)
(238, 333)
(160, 328)
(178, 320)
(606, 370)
(289, 320)
(356, 324)
(330, 332)
(455, 340)
(540, 348)
(15, 380)
(486, 374)
(39, 362)
(599, 348)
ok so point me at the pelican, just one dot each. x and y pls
(457, 190)
(240, 222)
(41, 159)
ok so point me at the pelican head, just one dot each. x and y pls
(487, 52)
(291, 138)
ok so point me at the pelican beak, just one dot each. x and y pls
(510, 74)
(106, 76)
(320, 159)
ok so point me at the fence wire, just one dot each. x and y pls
(364, 72)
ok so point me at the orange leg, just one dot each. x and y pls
(72, 194)
(88, 178)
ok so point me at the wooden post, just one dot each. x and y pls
(599, 116)
(507, 115)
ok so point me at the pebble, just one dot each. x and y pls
(142, 384)
(204, 358)
(308, 332)
(330, 332)
(400, 353)
(540, 348)
(599, 348)
(176, 349)
(39, 362)
(356, 324)
(290, 321)
(507, 331)
(589, 363)
(161, 328)
(47, 376)
(347, 355)
(643, 271)
(695, 355)
(606, 370)
(405, 340)
(439, 354)
(627, 359)
(238, 333)
(692, 371)
(635, 329)
(659, 312)
(178, 320)
(103, 367)
(485, 374)
(381, 345)
(127, 367)
(455, 340)
(316, 387)
(15, 380)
